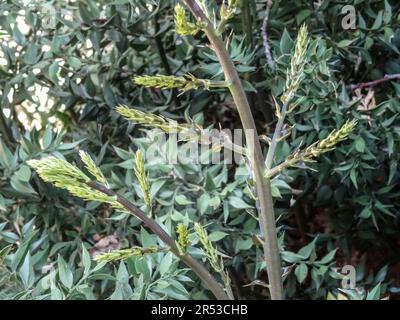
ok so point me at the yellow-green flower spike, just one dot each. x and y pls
(209, 249)
(92, 167)
(151, 120)
(228, 11)
(182, 25)
(127, 253)
(297, 63)
(66, 176)
(58, 171)
(316, 149)
(183, 83)
(331, 141)
(183, 238)
(142, 177)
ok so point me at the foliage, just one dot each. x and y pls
(59, 88)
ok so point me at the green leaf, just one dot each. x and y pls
(31, 55)
(26, 272)
(86, 261)
(378, 21)
(306, 251)
(217, 235)
(353, 177)
(238, 203)
(64, 272)
(4, 252)
(286, 43)
(53, 72)
(203, 202)
(366, 213)
(6, 157)
(360, 145)
(165, 263)
(328, 257)
(375, 293)
(301, 272)
(47, 137)
(291, 257)
(345, 43)
(22, 251)
(23, 174)
(182, 200)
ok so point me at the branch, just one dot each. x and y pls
(266, 211)
(276, 136)
(386, 78)
(264, 32)
(196, 266)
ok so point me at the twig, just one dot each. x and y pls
(263, 186)
(276, 136)
(386, 78)
(196, 266)
(264, 32)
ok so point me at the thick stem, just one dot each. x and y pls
(266, 214)
(195, 265)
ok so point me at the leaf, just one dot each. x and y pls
(217, 235)
(6, 156)
(22, 251)
(47, 137)
(238, 203)
(26, 272)
(305, 252)
(165, 263)
(286, 43)
(182, 200)
(375, 293)
(86, 261)
(345, 43)
(291, 257)
(53, 72)
(378, 21)
(328, 257)
(360, 145)
(31, 55)
(366, 213)
(203, 202)
(301, 272)
(65, 274)
(353, 177)
(4, 252)
(23, 174)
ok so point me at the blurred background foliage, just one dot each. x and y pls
(65, 65)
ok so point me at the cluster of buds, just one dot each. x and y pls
(182, 25)
(66, 176)
(228, 11)
(124, 254)
(298, 61)
(316, 149)
(184, 83)
(183, 238)
(151, 120)
(92, 167)
(142, 177)
(329, 143)
(209, 249)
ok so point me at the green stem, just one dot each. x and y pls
(196, 266)
(276, 136)
(266, 214)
